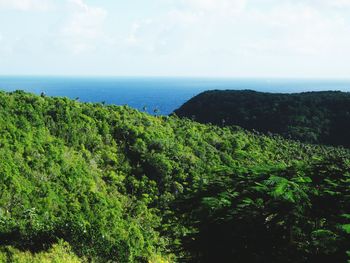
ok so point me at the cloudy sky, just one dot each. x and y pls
(211, 38)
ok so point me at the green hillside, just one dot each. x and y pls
(312, 117)
(84, 182)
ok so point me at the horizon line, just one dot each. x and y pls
(174, 77)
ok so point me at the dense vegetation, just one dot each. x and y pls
(93, 183)
(312, 117)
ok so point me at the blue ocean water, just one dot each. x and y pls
(163, 94)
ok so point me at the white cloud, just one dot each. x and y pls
(215, 6)
(26, 5)
(84, 27)
(301, 29)
(5, 47)
(201, 37)
(337, 3)
(244, 28)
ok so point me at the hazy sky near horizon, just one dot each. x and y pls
(206, 38)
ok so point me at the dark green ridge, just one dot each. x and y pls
(312, 117)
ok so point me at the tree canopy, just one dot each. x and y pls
(312, 117)
(84, 182)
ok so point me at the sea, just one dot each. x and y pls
(156, 95)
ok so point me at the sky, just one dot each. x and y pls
(193, 38)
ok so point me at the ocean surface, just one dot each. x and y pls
(161, 94)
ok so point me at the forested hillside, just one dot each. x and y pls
(312, 117)
(86, 182)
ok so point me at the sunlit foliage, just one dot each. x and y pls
(100, 183)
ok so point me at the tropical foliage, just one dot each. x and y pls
(96, 183)
(312, 117)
